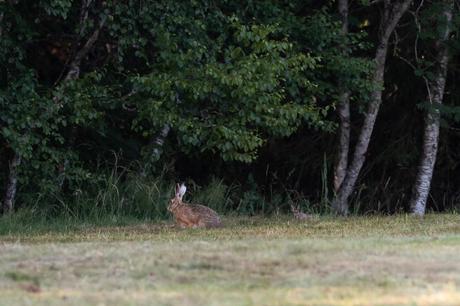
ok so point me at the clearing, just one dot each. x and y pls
(396, 260)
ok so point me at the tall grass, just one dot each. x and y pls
(122, 196)
(117, 198)
(216, 195)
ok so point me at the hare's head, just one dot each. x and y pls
(177, 200)
(295, 209)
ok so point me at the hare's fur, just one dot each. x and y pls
(299, 215)
(192, 215)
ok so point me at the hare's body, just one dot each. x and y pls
(298, 215)
(192, 215)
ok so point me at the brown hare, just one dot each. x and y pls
(192, 215)
(298, 215)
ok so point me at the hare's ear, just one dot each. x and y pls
(182, 190)
(177, 190)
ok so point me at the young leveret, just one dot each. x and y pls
(192, 215)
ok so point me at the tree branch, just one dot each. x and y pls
(74, 71)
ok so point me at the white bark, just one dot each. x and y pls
(74, 71)
(156, 145)
(435, 94)
(158, 142)
(392, 15)
(12, 184)
(343, 111)
(12, 181)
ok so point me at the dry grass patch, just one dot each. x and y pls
(252, 261)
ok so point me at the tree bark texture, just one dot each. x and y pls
(155, 145)
(343, 111)
(391, 16)
(74, 67)
(12, 184)
(435, 94)
(12, 181)
(158, 142)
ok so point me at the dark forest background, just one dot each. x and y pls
(104, 105)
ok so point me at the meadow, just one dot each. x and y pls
(369, 260)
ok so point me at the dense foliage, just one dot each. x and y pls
(107, 103)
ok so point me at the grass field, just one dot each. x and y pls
(251, 261)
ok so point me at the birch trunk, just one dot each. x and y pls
(12, 181)
(391, 16)
(156, 145)
(343, 111)
(435, 88)
(12, 184)
(74, 68)
(159, 141)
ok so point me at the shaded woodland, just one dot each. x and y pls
(332, 106)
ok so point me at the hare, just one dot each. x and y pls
(192, 215)
(298, 214)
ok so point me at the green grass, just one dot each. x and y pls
(396, 260)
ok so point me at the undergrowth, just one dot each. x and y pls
(123, 195)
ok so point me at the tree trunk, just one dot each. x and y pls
(12, 181)
(435, 88)
(343, 111)
(12, 184)
(74, 71)
(391, 16)
(156, 145)
(159, 141)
